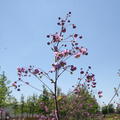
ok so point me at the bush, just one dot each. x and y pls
(118, 108)
(79, 106)
(108, 109)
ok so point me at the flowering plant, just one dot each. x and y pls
(64, 47)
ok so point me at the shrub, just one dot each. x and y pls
(108, 109)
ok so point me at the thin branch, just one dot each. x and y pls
(61, 73)
(31, 86)
(46, 74)
(44, 84)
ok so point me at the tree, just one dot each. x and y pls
(108, 109)
(13, 105)
(32, 105)
(4, 89)
(22, 105)
(64, 47)
(4, 92)
(118, 108)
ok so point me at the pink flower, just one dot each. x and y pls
(56, 66)
(77, 55)
(73, 68)
(93, 86)
(99, 92)
(58, 54)
(21, 70)
(14, 84)
(74, 26)
(36, 71)
(94, 83)
(57, 38)
(83, 50)
(65, 52)
(75, 35)
(62, 63)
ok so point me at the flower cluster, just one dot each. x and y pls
(24, 72)
(56, 38)
(87, 79)
(57, 66)
(59, 42)
(65, 46)
(62, 54)
(77, 52)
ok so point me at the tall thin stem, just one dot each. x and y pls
(55, 95)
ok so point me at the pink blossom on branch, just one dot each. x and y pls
(64, 47)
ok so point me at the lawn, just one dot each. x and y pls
(112, 117)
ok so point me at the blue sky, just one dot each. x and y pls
(24, 25)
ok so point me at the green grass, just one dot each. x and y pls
(112, 117)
